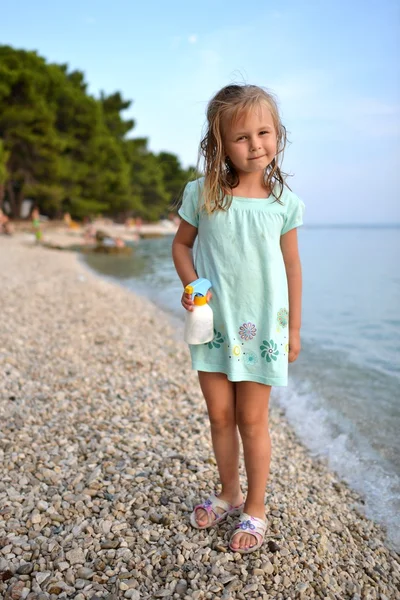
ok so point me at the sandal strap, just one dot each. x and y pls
(212, 503)
(251, 525)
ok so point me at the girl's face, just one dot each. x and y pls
(250, 142)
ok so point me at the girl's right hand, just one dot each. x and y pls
(188, 303)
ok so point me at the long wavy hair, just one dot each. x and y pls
(221, 177)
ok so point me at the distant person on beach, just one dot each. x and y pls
(5, 225)
(138, 224)
(245, 218)
(36, 225)
(89, 236)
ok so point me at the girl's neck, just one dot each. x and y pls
(251, 185)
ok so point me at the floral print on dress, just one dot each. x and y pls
(269, 350)
(250, 358)
(236, 350)
(217, 340)
(247, 331)
(282, 319)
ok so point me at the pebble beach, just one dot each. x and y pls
(105, 448)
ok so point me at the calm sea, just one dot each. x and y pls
(343, 399)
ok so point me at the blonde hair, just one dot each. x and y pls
(220, 174)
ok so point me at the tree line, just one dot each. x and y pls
(70, 152)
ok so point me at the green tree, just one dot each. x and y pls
(69, 151)
(27, 126)
(147, 182)
(3, 171)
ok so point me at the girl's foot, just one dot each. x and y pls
(248, 523)
(204, 518)
(244, 540)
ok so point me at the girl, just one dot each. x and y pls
(245, 220)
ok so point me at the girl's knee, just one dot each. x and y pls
(252, 426)
(222, 420)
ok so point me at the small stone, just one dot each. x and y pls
(227, 579)
(54, 588)
(180, 560)
(14, 592)
(258, 572)
(109, 544)
(99, 564)
(157, 519)
(301, 588)
(75, 556)
(5, 575)
(234, 585)
(36, 518)
(106, 526)
(42, 577)
(181, 587)
(268, 568)
(253, 587)
(273, 546)
(132, 594)
(25, 569)
(84, 573)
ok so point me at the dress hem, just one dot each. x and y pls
(234, 377)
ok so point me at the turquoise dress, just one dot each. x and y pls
(238, 250)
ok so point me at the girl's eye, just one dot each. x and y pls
(242, 137)
(263, 132)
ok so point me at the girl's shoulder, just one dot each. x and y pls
(192, 201)
(293, 208)
(196, 185)
(288, 197)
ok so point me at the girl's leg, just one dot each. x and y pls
(252, 402)
(219, 394)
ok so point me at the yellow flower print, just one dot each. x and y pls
(282, 319)
(236, 350)
(287, 348)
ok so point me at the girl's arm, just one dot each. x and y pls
(183, 258)
(290, 252)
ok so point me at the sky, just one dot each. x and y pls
(332, 64)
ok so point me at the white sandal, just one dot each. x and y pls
(210, 506)
(253, 526)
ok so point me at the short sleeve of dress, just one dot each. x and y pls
(189, 211)
(294, 212)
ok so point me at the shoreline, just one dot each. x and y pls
(65, 237)
(105, 447)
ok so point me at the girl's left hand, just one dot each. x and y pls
(294, 345)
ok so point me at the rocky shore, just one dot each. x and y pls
(105, 448)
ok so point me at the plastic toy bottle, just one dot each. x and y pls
(199, 323)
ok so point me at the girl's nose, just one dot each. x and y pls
(254, 145)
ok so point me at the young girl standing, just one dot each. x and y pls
(245, 220)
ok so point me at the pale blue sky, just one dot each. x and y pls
(333, 65)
